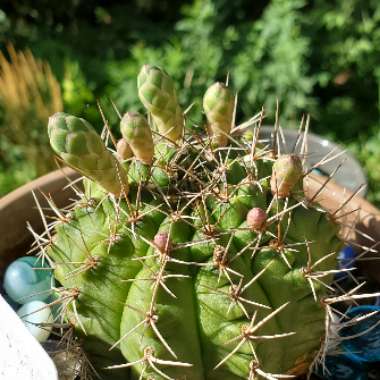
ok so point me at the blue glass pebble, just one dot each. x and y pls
(318, 171)
(37, 318)
(24, 282)
(341, 368)
(365, 347)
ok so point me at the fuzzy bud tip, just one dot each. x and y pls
(256, 219)
(123, 150)
(162, 242)
(286, 172)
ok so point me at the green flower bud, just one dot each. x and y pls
(123, 150)
(218, 104)
(157, 93)
(136, 131)
(286, 173)
(77, 143)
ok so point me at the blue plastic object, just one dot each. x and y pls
(364, 347)
(26, 280)
(340, 368)
(346, 259)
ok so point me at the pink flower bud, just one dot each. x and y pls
(162, 242)
(256, 218)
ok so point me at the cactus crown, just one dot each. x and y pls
(197, 257)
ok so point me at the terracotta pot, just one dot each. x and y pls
(18, 208)
(359, 219)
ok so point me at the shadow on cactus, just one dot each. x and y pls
(191, 256)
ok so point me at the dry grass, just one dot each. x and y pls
(29, 94)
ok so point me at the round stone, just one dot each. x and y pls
(37, 318)
(27, 279)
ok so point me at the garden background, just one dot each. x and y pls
(320, 57)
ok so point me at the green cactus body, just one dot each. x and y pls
(180, 280)
(157, 93)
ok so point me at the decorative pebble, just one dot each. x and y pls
(365, 346)
(25, 282)
(318, 171)
(33, 314)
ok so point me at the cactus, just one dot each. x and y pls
(223, 272)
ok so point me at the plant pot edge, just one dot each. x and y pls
(18, 209)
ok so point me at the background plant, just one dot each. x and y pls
(29, 93)
(315, 56)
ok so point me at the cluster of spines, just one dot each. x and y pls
(282, 182)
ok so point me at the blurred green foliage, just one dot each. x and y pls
(316, 56)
